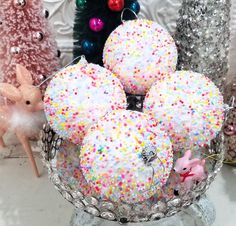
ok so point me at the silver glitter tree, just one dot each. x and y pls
(203, 37)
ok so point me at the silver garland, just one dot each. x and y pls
(203, 37)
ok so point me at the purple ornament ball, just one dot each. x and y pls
(96, 24)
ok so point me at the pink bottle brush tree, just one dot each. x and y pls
(26, 39)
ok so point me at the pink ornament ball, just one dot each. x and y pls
(96, 24)
(19, 4)
(78, 96)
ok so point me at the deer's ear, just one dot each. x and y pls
(194, 162)
(23, 75)
(203, 162)
(9, 91)
(188, 154)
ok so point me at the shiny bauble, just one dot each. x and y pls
(81, 4)
(38, 36)
(42, 77)
(134, 6)
(96, 24)
(20, 4)
(116, 5)
(88, 47)
(15, 50)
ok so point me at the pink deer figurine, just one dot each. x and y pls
(190, 170)
(22, 115)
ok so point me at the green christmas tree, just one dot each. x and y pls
(95, 20)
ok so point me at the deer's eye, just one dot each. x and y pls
(184, 168)
(27, 102)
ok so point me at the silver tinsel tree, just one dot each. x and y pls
(203, 37)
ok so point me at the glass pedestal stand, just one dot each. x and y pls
(201, 213)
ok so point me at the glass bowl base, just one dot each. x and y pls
(201, 213)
